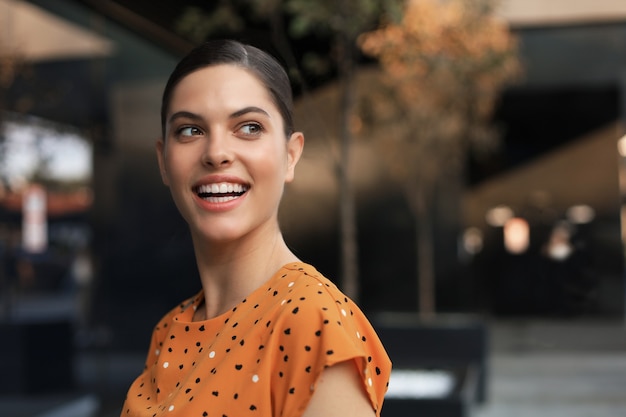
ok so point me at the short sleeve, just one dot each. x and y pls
(319, 328)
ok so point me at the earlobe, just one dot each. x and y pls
(294, 151)
(160, 150)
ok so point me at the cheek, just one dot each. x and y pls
(277, 163)
(175, 166)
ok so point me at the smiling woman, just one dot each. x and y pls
(267, 335)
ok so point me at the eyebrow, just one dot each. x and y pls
(183, 115)
(189, 115)
(249, 109)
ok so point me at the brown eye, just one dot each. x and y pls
(189, 131)
(251, 129)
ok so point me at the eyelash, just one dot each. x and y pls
(254, 125)
(196, 131)
(179, 131)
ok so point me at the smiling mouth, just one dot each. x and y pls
(220, 193)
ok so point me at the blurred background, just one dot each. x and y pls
(464, 162)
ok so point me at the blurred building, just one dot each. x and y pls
(104, 71)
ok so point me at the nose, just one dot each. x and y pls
(217, 151)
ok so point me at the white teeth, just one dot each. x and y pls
(221, 188)
(219, 199)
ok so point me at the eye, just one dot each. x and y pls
(188, 131)
(251, 129)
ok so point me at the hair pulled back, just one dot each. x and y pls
(215, 52)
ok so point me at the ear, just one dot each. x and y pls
(160, 150)
(295, 145)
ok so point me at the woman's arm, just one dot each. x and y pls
(340, 393)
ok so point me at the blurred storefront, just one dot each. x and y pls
(103, 71)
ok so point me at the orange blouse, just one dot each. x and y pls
(263, 358)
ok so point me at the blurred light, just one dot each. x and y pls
(559, 246)
(499, 215)
(425, 383)
(580, 214)
(34, 221)
(621, 146)
(473, 240)
(516, 235)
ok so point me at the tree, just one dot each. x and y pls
(445, 64)
(343, 21)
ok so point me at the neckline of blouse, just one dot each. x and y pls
(186, 313)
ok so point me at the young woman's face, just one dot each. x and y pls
(225, 156)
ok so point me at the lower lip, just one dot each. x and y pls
(215, 205)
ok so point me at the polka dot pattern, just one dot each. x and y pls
(263, 358)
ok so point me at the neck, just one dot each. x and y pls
(231, 271)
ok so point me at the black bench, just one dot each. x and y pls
(452, 344)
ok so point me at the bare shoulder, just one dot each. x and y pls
(340, 393)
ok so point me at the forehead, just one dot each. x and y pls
(221, 86)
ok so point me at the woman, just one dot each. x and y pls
(268, 335)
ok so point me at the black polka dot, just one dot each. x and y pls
(295, 350)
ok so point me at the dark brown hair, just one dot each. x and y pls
(265, 67)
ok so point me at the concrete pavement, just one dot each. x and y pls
(557, 369)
